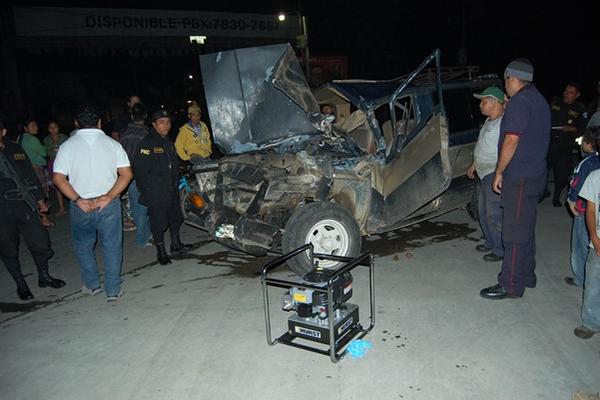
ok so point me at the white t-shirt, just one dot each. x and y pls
(591, 191)
(486, 149)
(90, 160)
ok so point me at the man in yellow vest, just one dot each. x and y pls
(193, 140)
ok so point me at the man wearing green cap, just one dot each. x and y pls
(485, 158)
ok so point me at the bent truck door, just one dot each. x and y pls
(417, 168)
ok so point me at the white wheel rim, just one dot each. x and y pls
(329, 237)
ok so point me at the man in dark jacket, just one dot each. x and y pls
(130, 139)
(20, 195)
(155, 170)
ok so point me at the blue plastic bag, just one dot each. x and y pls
(358, 348)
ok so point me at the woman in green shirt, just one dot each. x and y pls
(52, 143)
(37, 154)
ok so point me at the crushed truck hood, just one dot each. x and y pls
(257, 97)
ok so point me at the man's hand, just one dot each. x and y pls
(497, 184)
(42, 206)
(102, 201)
(87, 206)
(596, 244)
(471, 171)
(573, 209)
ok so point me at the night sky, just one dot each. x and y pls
(385, 39)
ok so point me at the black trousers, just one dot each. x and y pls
(560, 161)
(18, 219)
(165, 217)
(519, 211)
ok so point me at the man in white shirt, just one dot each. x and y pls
(98, 170)
(485, 158)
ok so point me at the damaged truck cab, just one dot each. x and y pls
(291, 175)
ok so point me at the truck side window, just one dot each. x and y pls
(459, 107)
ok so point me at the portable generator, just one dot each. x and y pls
(319, 304)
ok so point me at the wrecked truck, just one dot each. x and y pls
(290, 175)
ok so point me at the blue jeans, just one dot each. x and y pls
(490, 215)
(580, 241)
(104, 225)
(590, 310)
(140, 215)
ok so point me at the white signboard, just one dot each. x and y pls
(52, 21)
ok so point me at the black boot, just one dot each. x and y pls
(161, 255)
(45, 280)
(177, 246)
(23, 290)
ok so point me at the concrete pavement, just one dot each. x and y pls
(195, 329)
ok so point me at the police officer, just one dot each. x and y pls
(568, 123)
(155, 169)
(20, 197)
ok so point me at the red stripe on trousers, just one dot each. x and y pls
(514, 254)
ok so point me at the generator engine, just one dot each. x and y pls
(312, 309)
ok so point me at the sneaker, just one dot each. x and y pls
(491, 257)
(583, 332)
(115, 297)
(92, 292)
(482, 248)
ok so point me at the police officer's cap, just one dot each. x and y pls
(162, 113)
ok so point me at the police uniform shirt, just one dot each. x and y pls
(20, 162)
(155, 169)
(567, 115)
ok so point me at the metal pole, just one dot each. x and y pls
(306, 52)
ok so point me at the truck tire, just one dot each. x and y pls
(331, 230)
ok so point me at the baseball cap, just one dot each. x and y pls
(194, 109)
(492, 91)
(162, 113)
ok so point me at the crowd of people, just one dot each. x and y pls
(523, 140)
(93, 171)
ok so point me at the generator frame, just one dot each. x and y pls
(334, 351)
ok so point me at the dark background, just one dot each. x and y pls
(381, 39)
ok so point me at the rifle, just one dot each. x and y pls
(23, 189)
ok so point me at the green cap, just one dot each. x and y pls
(492, 91)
